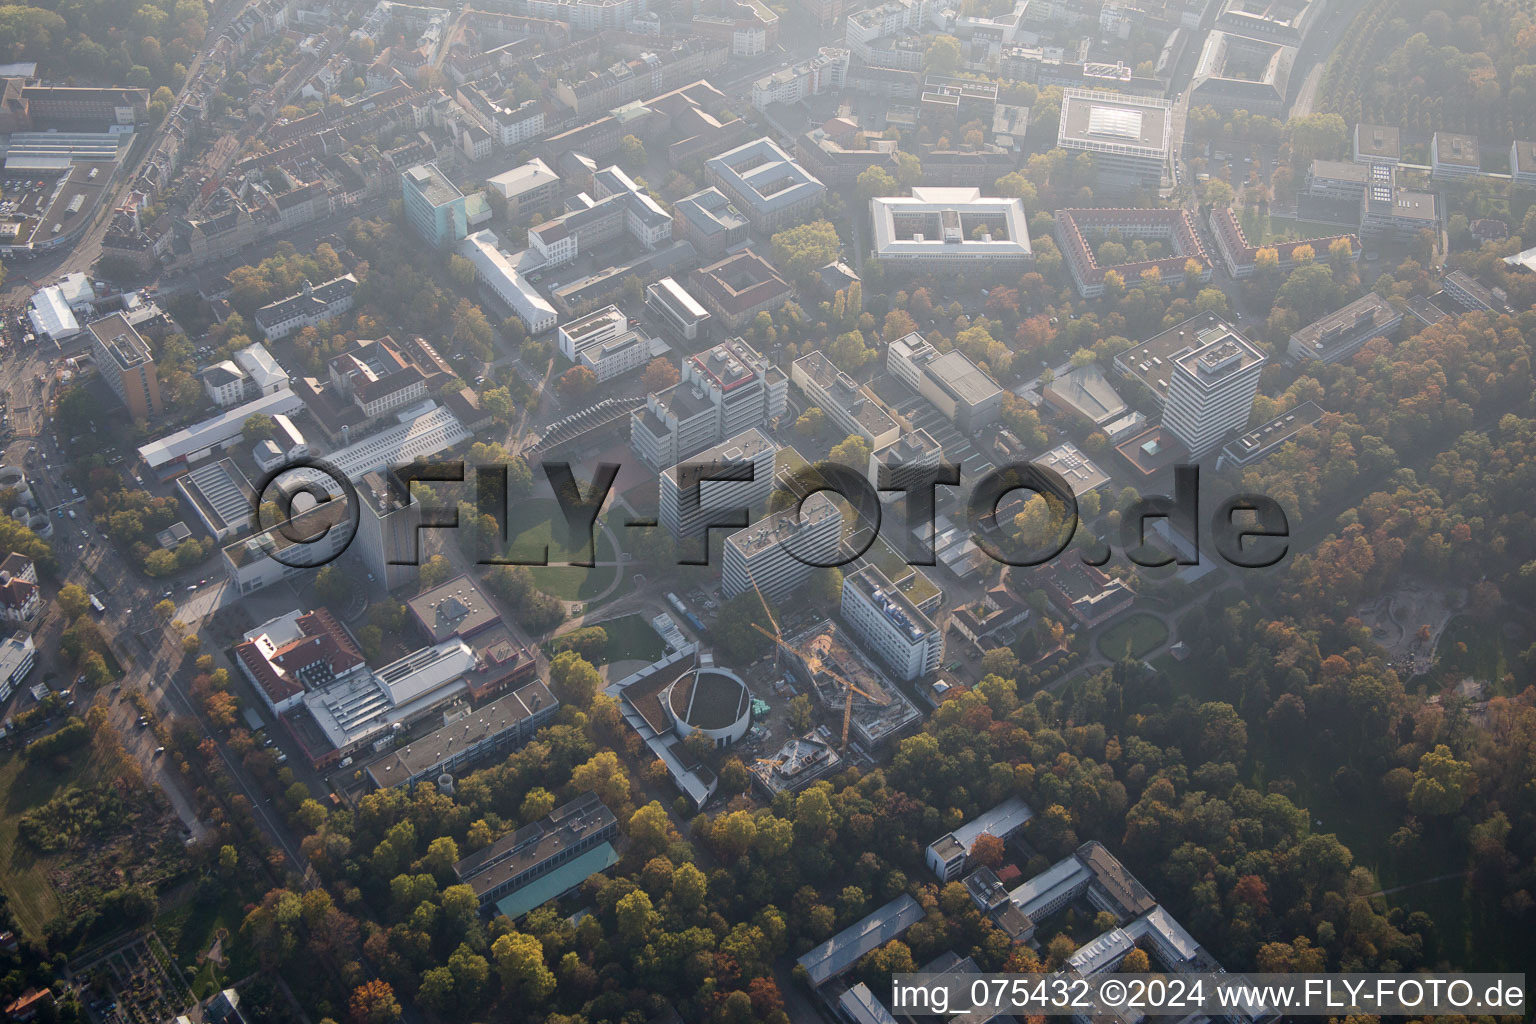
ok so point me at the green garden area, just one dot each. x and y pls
(1133, 637)
(626, 638)
(1262, 229)
(533, 525)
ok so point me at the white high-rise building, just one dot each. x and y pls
(682, 516)
(890, 625)
(724, 390)
(766, 552)
(1211, 387)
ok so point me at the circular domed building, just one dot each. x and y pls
(713, 701)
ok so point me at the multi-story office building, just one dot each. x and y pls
(125, 363)
(1377, 144)
(1454, 157)
(605, 343)
(551, 847)
(891, 626)
(587, 16)
(957, 387)
(847, 404)
(1127, 136)
(1522, 162)
(949, 229)
(780, 551)
(387, 537)
(710, 222)
(1340, 334)
(948, 855)
(915, 449)
(1387, 211)
(766, 184)
(689, 498)
(723, 391)
(679, 311)
(528, 187)
(434, 206)
(1211, 388)
(505, 724)
(1337, 179)
(17, 656)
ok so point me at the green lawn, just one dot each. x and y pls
(24, 875)
(1262, 229)
(534, 524)
(188, 931)
(629, 637)
(1133, 636)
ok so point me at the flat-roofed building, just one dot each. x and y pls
(1268, 438)
(166, 456)
(885, 620)
(795, 765)
(527, 187)
(848, 404)
(518, 859)
(468, 737)
(1340, 334)
(711, 222)
(604, 342)
(1128, 136)
(766, 184)
(125, 363)
(1522, 162)
(1454, 157)
(957, 387)
(690, 495)
(826, 71)
(847, 947)
(682, 315)
(781, 551)
(939, 228)
(915, 449)
(1472, 294)
(1377, 144)
(1396, 214)
(1080, 472)
(724, 390)
(948, 855)
(17, 656)
(434, 206)
(1337, 179)
(387, 534)
(1211, 389)
(1149, 362)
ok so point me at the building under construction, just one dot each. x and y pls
(795, 765)
(826, 662)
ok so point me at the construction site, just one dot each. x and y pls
(847, 685)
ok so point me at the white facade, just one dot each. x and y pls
(890, 625)
(678, 513)
(497, 272)
(765, 552)
(825, 72)
(1211, 389)
(17, 656)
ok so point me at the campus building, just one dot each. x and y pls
(724, 391)
(846, 403)
(434, 206)
(739, 287)
(766, 184)
(957, 387)
(949, 855)
(1211, 389)
(544, 860)
(126, 365)
(1174, 229)
(467, 738)
(950, 229)
(313, 305)
(1340, 334)
(605, 343)
(1454, 157)
(1127, 136)
(689, 496)
(781, 551)
(669, 302)
(889, 624)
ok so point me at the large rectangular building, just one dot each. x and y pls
(947, 856)
(766, 184)
(467, 738)
(1340, 334)
(689, 496)
(125, 363)
(724, 390)
(669, 302)
(434, 206)
(1211, 389)
(1127, 136)
(957, 387)
(518, 859)
(940, 228)
(604, 342)
(889, 624)
(781, 551)
(847, 404)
